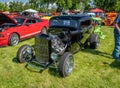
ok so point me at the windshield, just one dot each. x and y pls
(63, 23)
(19, 21)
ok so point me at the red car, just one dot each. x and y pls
(12, 30)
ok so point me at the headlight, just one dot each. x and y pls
(29, 50)
(54, 56)
(1, 35)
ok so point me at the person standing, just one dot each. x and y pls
(116, 50)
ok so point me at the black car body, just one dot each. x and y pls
(56, 48)
(76, 27)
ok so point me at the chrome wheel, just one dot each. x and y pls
(66, 64)
(69, 65)
(13, 39)
(25, 53)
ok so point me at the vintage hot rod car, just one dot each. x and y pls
(12, 30)
(56, 48)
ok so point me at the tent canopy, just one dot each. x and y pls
(96, 10)
(30, 10)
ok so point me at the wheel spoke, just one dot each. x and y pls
(69, 65)
(66, 64)
(14, 40)
(26, 55)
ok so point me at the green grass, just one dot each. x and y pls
(93, 69)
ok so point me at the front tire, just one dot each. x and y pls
(66, 64)
(13, 39)
(24, 53)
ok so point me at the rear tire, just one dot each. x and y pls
(13, 39)
(66, 64)
(24, 53)
(86, 44)
(94, 41)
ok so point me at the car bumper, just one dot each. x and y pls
(3, 42)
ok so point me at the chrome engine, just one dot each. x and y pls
(50, 46)
(57, 44)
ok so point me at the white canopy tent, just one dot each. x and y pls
(30, 11)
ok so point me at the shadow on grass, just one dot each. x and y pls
(51, 71)
(115, 64)
(37, 70)
(96, 52)
(54, 72)
(15, 60)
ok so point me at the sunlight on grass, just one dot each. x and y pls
(93, 69)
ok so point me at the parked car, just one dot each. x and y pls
(12, 30)
(67, 34)
(46, 16)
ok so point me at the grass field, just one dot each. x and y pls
(93, 69)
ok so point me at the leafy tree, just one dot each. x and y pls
(86, 4)
(80, 4)
(26, 6)
(43, 5)
(106, 5)
(6, 8)
(16, 6)
(117, 6)
(39, 4)
(62, 4)
(33, 3)
(3, 7)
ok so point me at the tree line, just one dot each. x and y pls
(61, 5)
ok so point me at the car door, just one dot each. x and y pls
(26, 28)
(33, 27)
(21, 29)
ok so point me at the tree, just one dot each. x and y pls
(62, 4)
(106, 5)
(16, 6)
(80, 4)
(4, 7)
(43, 5)
(40, 5)
(117, 6)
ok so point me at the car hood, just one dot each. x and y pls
(6, 22)
(6, 19)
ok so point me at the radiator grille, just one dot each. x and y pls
(42, 48)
